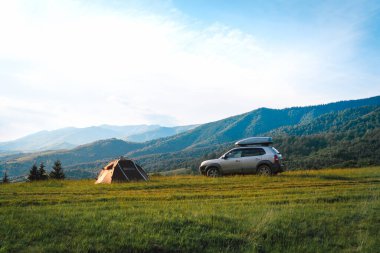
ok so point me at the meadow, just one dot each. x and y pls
(331, 210)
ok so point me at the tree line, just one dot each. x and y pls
(39, 173)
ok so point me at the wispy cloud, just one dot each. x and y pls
(80, 63)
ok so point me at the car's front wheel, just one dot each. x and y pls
(213, 172)
(264, 170)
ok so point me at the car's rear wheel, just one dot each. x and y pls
(213, 172)
(264, 170)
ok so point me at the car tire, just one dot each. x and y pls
(213, 172)
(264, 170)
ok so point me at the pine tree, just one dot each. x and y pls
(33, 173)
(57, 172)
(5, 178)
(42, 175)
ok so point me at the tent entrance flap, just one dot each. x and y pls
(130, 169)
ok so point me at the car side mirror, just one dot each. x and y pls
(224, 157)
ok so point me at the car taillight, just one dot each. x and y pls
(276, 160)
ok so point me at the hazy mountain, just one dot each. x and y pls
(312, 136)
(159, 132)
(71, 137)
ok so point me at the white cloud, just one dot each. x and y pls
(77, 64)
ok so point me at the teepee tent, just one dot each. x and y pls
(121, 170)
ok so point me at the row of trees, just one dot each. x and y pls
(39, 173)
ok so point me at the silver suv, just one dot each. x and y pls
(256, 157)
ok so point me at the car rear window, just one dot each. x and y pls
(253, 152)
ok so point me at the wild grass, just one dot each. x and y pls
(333, 210)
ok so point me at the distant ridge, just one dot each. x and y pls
(157, 133)
(310, 137)
(70, 137)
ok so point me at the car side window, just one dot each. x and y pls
(253, 152)
(261, 151)
(234, 154)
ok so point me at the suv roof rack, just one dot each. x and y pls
(254, 141)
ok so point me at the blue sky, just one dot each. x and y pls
(82, 63)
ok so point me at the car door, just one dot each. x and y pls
(250, 158)
(231, 163)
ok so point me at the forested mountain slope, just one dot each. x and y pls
(253, 123)
(347, 142)
(339, 134)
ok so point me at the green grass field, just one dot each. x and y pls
(305, 211)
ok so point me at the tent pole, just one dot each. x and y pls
(137, 168)
(122, 171)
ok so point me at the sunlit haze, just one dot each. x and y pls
(83, 63)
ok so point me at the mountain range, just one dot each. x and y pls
(340, 134)
(71, 137)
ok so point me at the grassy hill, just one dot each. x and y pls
(338, 134)
(300, 211)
